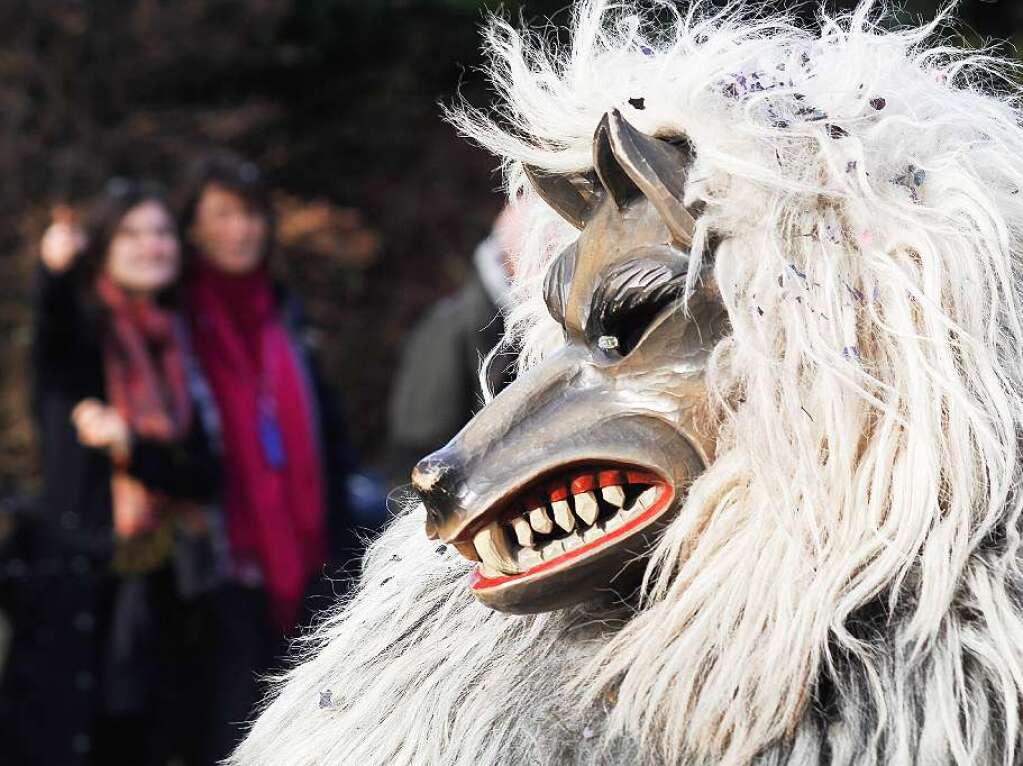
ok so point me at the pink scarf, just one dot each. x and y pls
(273, 480)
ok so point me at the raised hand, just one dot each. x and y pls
(63, 240)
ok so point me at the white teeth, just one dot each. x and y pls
(468, 550)
(586, 507)
(540, 521)
(523, 532)
(645, 501)
(563, 515)
(614, 522)
(528, 558)
(488, 572)
(492, 546)
(614, 495)
(498, 555)
(552, 549)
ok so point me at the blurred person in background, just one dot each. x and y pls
(104, 652)
(438, 388)
(286, 456)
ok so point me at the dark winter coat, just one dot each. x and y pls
(242, 643)
(87, 643)
(338, 458)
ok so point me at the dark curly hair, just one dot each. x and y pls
(234, 174)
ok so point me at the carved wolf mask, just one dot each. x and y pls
(558, 485)
(768, 308)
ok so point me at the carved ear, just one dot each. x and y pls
(573, 197)
(619, 185)
(657, 168)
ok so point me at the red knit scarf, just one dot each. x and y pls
(146, 383)
(274, 505)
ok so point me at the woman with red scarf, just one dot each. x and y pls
(285, 456)
(104, 650)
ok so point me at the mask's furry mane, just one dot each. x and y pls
(842, 584)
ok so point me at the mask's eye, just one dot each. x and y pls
(631, 295)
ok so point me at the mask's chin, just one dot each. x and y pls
(568, 536)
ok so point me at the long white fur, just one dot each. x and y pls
(843, 584)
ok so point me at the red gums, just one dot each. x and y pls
(479, 582)
(584, 483)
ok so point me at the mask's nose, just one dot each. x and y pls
(438, 480)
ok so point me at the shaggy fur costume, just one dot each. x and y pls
(842, 585)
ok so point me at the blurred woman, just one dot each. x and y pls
(286, 458)
(99, 670)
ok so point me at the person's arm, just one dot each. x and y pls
(340, 459)
(338, 454)
(65, 355)
(59, 327)
(345, 523)
(58, 322)
(183, 469)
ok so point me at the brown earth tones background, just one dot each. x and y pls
(380, 202)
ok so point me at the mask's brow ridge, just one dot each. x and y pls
(557, 281)
(632, 283)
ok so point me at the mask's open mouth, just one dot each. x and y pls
(560, 518)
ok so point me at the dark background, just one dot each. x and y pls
(381, 203)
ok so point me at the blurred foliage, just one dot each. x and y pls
(381, 203)
(338, 99)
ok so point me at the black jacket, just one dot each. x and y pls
(338, 458)
(58, 677)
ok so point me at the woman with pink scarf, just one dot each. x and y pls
(285, 456)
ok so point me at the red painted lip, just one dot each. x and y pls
(587, 479)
